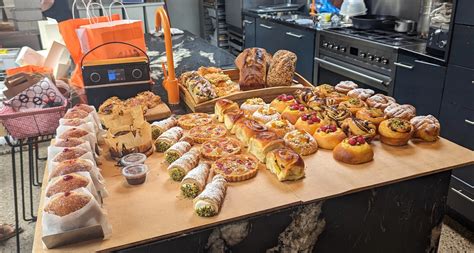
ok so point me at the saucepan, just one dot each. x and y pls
(405, 26)
(373, 22)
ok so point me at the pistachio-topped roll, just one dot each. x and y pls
(159, 127)
(209, 202)
(177, 150)
(195, 181)
(168, 139)
(179, 168)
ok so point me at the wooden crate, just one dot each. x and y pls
(267, 94)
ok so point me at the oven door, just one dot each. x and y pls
(332, 71)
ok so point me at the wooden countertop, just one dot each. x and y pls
(155, 210)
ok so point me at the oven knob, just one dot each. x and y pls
(371, 57)
(330, 46)
(342, 49)
(325, 44)
(336, 47)
(377, 59)
(362, 55)
(94, 77)
(384, 61)
(137, 73)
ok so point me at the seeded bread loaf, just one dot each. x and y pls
(281, 69)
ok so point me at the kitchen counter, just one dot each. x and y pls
(419, 51)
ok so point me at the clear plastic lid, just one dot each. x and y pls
(131, 159)
(135, 171)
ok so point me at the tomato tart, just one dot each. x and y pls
(217, 148)
(201, 134)
(236, 168)
(191, 120)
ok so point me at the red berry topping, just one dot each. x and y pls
(315, 118)
(333, 128)
(323, 128)
(304, 117)
(352, 141)
(67, 177)
(67, 194)
(301, 108)
(360, 140)
(290, 97)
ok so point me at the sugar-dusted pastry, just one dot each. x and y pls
(282, 69)
(374, 115)
(66, 183)
(266, 114)
(195, 181)
(179, 168)
(216, 148)
(281, 102)
(311, 121)
(69, 142)
(253, 64)
(264, 142)
(230, 118)
(222, 106)
(75, 114)
(286, 164)
(335, 98)
(191, 120)
(200, 134)
(361, 93)
(159, 127)
(200, 89)
(65, 203)
(316, 103)
(353, 105)
(323, 90)
(293, 112)
(168, 139)
(280, 127)
(358, 127)
(336, 114)
(71, 166)
(395, 131)
(70, 153)
(251, 105)
(328, 136)
(301, 142)
(303, 96)
(345, 86)
(380, 101)
(236, 168)
(176, 151)
(209, 202)
(353, 150)
(400, 111)
(73, 133)
(426, 127)
(246, 128)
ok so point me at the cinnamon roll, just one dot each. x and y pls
(355, 127)
(373, 115)
(323, 90)
(395, 131)
(335, 114)
(303, 96)
(353, 105)
(336, 98)
(316, 103)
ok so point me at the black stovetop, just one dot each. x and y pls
(381, 36)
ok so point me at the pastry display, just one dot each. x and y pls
(247, 128)
(73, 133)
(230, 118)
(222, 106)
(328, 136)
(360, 93)
(71, 166)
(395, 131)
(359, 127)
(281, 102)
(200, 134)
(70, 153)
(323, 90)
(145, 100)
(282, 69)
(286, 164)
(316, 103)
(380, 101)
(353, 105)
(353, 150)
(293, 112)
(236, 168)
(345, 86)
(179, 168)
(309, 122)
(266, 114)
(200, 88)
(168, 139)
(395, 110)
(191, 120)
(303, 96)
(253, 64)
(264, 142)
(216, 148)
(280, 127)
(335, 98)
(65, 203)
(251, 105)
(221, 82)
(69, 142)
(209, 202)
(159, 127)
(426, 127)
(301, 142)
(176, 151)
(374, 115)
(335, 114)
(195, 181)
(66, 183)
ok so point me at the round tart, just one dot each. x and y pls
(345, 86)
(335, 98)
(328, 136)
(301, 142)
(251, 105)
(324, 89)
(191, 120)
(293, 112)
(200, 134)
(282, 101)
(280, 127)
(380, 101)
(309, 122)
(353, 105)
(218, 148)
(358, 127)
(353, 150)
(400, 111)
(374, 115)
(395, 131)
(236, 168)
(266, 114)
(426, 127)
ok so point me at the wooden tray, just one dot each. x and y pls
(267, 94)
(160, 111)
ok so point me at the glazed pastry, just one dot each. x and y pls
(65, 203)
(335, 98)
(224, 105)
(191, 120)
(353, 105)
(337, 115)
(400, 111)
(282, 69)
(286, 164)
(354, 126)
(168, 139)
(328, 136)
(159, 127)
(309, 122)
(69, 153)
(362, 94)
(380, 101)
(266, 114)
(353, 150)
(195, 181)
(247, 128)
(264, 142)
(426, 127)
(323, 90)
(217, 148)
(201, 134)
(281, 102)
(251, 105)
(69, 142)
(303, 96)
(301, 142)
(66, 183)
(176, 151)
(316, 103)
(280, 127)
(374, 115)
(179, 168)
(345, 86)
(253, 64)
(395, 131)
(236, 168)
(71, 166)
(230, 118)
(73, 133)
(293, 112)
(208, 203)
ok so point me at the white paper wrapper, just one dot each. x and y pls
(88, 127)
(53, 151)
(98, 130)
(90, 215)
(90, 187)
(92, 117)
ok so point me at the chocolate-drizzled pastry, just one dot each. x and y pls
(358, 127)
(323, 90)
(317, 103)
(303, 96)
(335, 98)
(336, 114)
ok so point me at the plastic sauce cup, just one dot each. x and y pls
(135, 174)
(132, 159)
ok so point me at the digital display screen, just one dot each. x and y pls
(116, 75)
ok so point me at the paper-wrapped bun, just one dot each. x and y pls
(84, 107)
(69, 153)
(65, 203)
(69, 142)
(426, 127)
(73, 133)
(66, 183)
(75, 114)
(71, 166)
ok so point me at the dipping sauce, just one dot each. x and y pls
(132, 159)
(135, 174)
